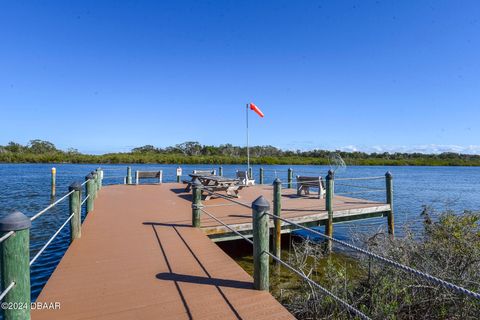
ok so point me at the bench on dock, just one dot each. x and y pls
(148, 175)
(244, 179)
(304, 184)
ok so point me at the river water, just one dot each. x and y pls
(26, 187)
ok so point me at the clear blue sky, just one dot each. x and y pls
(370, 75)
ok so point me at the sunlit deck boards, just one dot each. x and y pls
(306, 210)
(139, 258)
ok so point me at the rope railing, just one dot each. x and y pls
(6, 236)
(50, 240)
(395, 264)
(7, 290)
(322, 289)
(84, 200)
(51, 206)
(227, 226)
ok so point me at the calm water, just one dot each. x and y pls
(26, 187)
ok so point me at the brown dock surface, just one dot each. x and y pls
(139, 258)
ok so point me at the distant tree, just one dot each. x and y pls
(38, 146)
(145, 149)
(14, 147)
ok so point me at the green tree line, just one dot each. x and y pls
(192, 152)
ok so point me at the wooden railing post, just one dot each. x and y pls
(15, 265)
(95, 183)
(290, 177)
(54, 181)
(75, 208)
(90, 192)
(100, 177)
(250, 173)
(129, 175)
(329, 207)
(389, 185)
(261, 176)
(260, 243)
(196, 202)
(277, 210)
(220, 171)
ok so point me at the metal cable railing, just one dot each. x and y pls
(395, 264)
(227, 226)
(226, 198)
(6, 236)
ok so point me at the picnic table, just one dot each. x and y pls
(218, 183)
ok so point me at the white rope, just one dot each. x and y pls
(226, 225)
(7, 290)
(50, 240)
(395, 264)
(6, 236)
(88, 196)
(325, 291)
(51, 206)
(85, 182)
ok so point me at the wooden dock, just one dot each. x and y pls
(140, 258)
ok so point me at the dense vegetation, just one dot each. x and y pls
(38, 151)
(448, 248)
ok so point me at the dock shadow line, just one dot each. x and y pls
(204, 280)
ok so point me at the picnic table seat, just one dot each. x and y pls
(212, 172)
(304, 184)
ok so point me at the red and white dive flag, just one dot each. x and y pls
(256, 109)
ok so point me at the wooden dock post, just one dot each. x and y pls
(129, 175)
(15, 265)
(196, 202)
(100, 178)
(290, 177)
(261, 176)
(277, 209)
(220, 171)
(76, 210)
(90, 192)
(54, 181)
(261, 239)
(329, 207)
(95, 184)
(391, 222)
(250, 173)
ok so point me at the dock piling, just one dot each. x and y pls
(290, 177)
(95, 184)
(196, 202)
(329, 207)
(260, 243)
(220, 171)
(90, 192)
(54, 181)
(100, 178)
(277, 209)
(15, 265)
(261, 176)
(76, 210)
(250, 173)
(389, 185)
(129, 175)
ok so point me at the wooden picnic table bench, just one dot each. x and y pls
(214, 183)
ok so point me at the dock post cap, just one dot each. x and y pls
(260, 204)
(15, 221)
(388, 174)
(330, 174)
(89, 176)
(277, 181)
(196, 182)
(75, 186)
(93, 172)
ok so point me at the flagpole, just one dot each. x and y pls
(248, 148)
